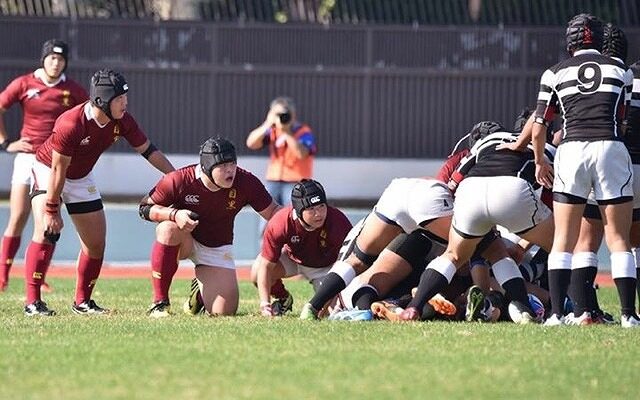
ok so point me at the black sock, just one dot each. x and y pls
(627, 293)
(428, 312)
(431, 282)
(515, 290)
(581, 289)
(364, 297)
(329, 286)
(558, 286)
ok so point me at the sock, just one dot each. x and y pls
(431, 282)
(329, 286)
(87, 275)
(638, 285)
(278, 290)
(626, 291)
(515, 290)
(428, 312)
(164, 264)
(581, 289)
(37, 260)
(10, 246)
(558, 287)
(364, 297)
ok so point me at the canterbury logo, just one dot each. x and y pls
(85, 141)
(156, 274)
(37, 275)
(314, 200)
(295, 239)
(192, 199)
(31, 93)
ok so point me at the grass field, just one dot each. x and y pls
(129, 356)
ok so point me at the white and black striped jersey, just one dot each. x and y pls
(632, 140)
(485, 160)
(591, 91)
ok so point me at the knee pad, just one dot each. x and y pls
(413, 248)
(366, 259)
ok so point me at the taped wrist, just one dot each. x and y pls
(52, 207)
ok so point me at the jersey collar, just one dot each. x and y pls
(40, 74)
(88, 113)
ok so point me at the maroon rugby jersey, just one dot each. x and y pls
(317, 249)
(77, 136)
(41, 104)
(183, 189)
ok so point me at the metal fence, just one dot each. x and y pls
(366, 91)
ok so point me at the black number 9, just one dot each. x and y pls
(590, 83)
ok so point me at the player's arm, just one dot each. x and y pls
(523, 139)
(271, 209)
(155, 157)
(264, 281)
(52, 220)
(16, 146)
(150, 211)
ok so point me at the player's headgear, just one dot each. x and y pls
(614, 43)
(522, 119)
(55, 46)
(106, 85)
(305, 194)
(482, 130)
(584, 31)
(216, 151)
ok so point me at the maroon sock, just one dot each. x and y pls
(87, 276)
(10, 246)
(278, 290)
(36, 264)
(164, 264)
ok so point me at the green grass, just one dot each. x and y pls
(129, 356)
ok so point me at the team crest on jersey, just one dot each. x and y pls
(192, 199)
(323, 234)
(116, 132)
(231, 205)
(33, 93)
(232, 194)
(295, 239)
(66, 98)
(92, 189)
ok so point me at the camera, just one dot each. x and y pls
(285, 117)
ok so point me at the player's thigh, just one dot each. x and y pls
(376, 234)
(92, 231)
(20, 207)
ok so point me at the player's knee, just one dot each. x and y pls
(166, 230)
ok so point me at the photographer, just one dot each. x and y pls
(292, 147)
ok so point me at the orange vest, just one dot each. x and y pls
(284, 164)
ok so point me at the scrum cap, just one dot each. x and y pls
(307, 193)
(614, 43)
(54, 46)
(106, 85)
(522, 119)
(216, 151)
(482, 130)
(584, 31)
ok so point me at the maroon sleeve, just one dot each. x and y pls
(11, 94)
(165, 193)
(131, 131)
(447, 169)
(259, 198)
(275, 235)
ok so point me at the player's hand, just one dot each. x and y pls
(544, 175)
(52, 225)
(510, 146)
(266, 310)
(20, 146)
(272, 118)
(185, 221)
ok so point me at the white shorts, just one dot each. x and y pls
(604, 166)
(412, 201)
(292, 268)
(22, 165)
(74, 191)
(482, 202)
(350, 240)
(204, 256)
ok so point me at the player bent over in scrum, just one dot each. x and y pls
(406, 204)
(304, 239)
(195, 208)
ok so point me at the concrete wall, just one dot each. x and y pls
(360, 180)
